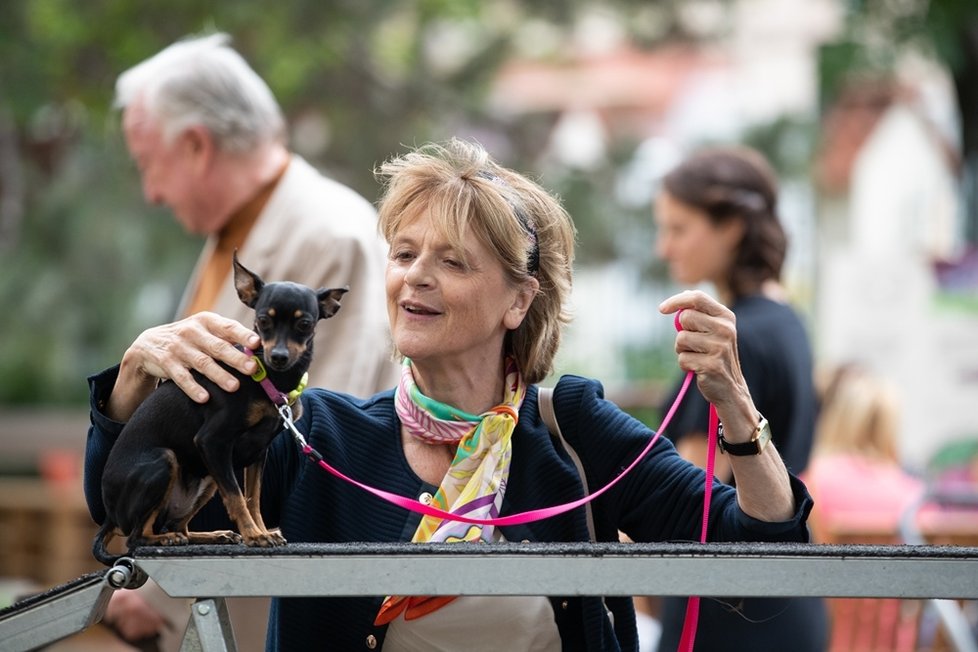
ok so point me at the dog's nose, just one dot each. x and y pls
(280, 357)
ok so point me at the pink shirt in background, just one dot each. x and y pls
(854, 493)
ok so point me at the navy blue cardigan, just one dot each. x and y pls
(660, 500)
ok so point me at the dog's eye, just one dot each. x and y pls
(263, 322)
(304, 326)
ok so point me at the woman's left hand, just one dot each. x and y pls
(707, 346)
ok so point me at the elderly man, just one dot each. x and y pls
(209, 140)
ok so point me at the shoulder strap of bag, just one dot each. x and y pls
(546, 403)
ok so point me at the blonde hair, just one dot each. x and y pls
(463, 190)
(859, 414)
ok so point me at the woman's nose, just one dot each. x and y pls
(418, 273)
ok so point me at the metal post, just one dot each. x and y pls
(209, 629)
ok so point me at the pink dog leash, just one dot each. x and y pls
(513, 519)
(688, 636)
(530, 515)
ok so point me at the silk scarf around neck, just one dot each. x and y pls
(476, 480)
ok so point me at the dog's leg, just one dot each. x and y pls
(216, 449)
(252, 488)
(209, 488)
(155, 472)
(174, 509)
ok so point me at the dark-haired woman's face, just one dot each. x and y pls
(696, 249)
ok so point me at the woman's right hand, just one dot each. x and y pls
(172, 350)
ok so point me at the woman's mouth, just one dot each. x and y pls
(418, 309)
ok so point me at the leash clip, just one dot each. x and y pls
(285, 411)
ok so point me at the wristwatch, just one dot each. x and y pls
(760, 439)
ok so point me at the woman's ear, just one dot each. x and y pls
(732, 231)
(521, 303)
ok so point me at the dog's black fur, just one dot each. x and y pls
(174, 454)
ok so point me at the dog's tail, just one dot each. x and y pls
(105, 534)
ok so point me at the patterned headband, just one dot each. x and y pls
(533, 260)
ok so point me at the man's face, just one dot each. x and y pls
(170, 171)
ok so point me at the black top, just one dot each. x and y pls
(776, 359)
(660, 500)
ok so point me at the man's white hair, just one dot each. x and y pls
(202, 81)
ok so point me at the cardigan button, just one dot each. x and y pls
(564, 604)
(425, 498)
(371, 641)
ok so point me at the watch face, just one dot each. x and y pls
(764, 435)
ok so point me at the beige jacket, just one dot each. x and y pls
(321, 233)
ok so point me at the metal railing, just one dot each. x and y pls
(213, 573)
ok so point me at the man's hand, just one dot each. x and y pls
(132, 618)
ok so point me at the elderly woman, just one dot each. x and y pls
(478, 277)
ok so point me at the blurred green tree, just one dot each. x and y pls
(880, 34)
(86, 265)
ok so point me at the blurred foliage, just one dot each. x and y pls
(87, 265)
(881, 34)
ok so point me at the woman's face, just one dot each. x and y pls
(696, 249)
(446, 312)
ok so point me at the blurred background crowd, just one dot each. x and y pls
(868, 110)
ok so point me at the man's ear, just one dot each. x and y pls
(247, 283)
(329, 300)
(199, 144)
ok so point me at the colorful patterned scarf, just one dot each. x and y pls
(475, 482)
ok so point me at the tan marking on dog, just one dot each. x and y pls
(252, 492)
(258, 411)
(271, 312)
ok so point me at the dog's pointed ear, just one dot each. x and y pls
(329, 300)
(247, 283)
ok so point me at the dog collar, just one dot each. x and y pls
(274, 394)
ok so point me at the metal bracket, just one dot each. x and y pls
(210, 628)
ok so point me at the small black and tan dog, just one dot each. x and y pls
(174, 454)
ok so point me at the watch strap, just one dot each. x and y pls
(755, 446)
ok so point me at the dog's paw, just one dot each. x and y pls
(228, 537)
(218, 537)
(268, 539)
(276, 536)
(171, 539)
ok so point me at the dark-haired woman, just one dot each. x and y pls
(717, 223)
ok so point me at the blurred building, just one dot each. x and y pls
(876, 259)
(889, 237)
